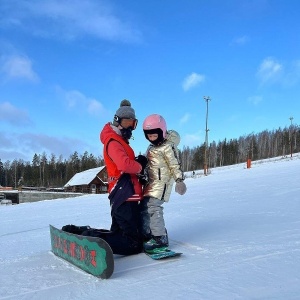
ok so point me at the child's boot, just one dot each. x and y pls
(157, 242)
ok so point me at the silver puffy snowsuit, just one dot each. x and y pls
(163, 169)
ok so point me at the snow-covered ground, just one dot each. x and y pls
(239, 230)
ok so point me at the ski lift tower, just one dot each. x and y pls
(206, 98)
(291, 136)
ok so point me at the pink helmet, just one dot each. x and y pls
(155, 124)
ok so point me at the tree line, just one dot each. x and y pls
(55, 171)
(46, 171)
(266, 144)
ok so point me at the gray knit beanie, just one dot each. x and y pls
(124, 112)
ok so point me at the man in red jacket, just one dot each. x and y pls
(125, 190)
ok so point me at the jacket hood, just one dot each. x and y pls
(173, 137)
(108, 132)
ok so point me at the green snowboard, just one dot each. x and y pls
(92, 255)
(162, 253)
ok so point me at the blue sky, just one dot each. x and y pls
(66, 65)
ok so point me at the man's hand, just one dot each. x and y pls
(143, 161)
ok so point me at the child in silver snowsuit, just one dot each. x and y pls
(163, 170)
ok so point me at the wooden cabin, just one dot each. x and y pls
(92, 181)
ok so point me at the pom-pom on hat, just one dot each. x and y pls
(124, 112)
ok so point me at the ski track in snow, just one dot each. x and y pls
(23, 231)
(186, 245)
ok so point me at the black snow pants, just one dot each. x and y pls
(124, 235)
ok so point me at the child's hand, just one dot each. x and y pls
(180, 187)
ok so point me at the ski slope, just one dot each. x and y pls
(238, 229)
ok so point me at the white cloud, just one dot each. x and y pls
(95, 107)
(75, 100)
(192, 80)
(18, 67)
(69, 19)
(255, 100)
(13, 115)
(185, 118)
(269, 70)
(15, 145)
(192, 140)
(242, 40)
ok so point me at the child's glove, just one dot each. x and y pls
(180, 187)
(143, 161)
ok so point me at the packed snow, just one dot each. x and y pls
(238, 229)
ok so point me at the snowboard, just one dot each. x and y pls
(162, 253)
(90, 254)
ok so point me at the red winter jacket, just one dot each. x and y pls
(119, 158)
